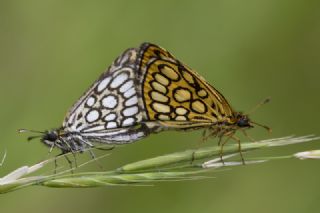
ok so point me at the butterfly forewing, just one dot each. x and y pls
(109, 110)
(175, 95)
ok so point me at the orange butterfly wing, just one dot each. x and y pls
(176, 96)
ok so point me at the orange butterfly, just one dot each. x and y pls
(176, 97)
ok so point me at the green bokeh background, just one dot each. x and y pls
(51, 51)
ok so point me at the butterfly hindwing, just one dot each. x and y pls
(175, 95)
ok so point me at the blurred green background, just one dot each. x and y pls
(51, 51)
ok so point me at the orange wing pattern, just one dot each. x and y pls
(176, 95)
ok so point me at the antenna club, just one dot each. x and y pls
(267, 100)
(22, 130)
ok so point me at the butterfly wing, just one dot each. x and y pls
(109, 111)
(174, 95)
(145, 90)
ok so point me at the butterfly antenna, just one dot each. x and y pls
(33, 131)
(265, 101)
(33, 137)
(29, 130)
(263, 126)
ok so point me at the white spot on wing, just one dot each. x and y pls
(110, 117)
(91, 101)
(117, 81)
(131, 101)
(103, 84)
(125, 87)
(128, 122)
(130, 111)
(109, 102)
(92, 116)
(111, 125)
(130, 92)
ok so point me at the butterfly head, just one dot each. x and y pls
(243, 121)
(56, 138)
(50, 138)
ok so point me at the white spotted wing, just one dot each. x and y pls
(109, 111)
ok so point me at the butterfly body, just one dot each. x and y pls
(145, 90)
(76, 142)
(70, 142)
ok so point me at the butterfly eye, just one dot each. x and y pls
(50, 136)
(243, 122)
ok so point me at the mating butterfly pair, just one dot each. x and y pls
(145, 90)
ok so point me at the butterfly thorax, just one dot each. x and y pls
(65, 141)
(234, 122)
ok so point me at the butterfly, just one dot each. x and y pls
(176, 97)
(145, 90)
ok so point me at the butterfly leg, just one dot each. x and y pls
(93, 156)
(222, 145)
(220, 132)
(88, 147)
(69, 162)
(55, 158)
(64, 153)
(248, 136)
(55, 165)
(239, 148)
(220, 138)
(205, 135)
(75, 159)
(203, 138)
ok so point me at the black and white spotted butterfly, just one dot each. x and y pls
(109, 112)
